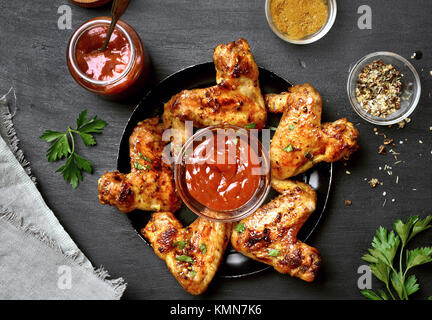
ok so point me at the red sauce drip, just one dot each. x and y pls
(102, 65)
(227, 184)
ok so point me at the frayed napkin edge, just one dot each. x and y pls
(118, 285)
(12, 139)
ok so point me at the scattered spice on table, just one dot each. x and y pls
(388, 141)
(382, 149)
(379, 88)
(298, 18)
(373, 182)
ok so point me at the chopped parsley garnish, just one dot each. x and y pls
(148, 167)
(273, 252)
(203, 248)
(180, 244)
(63, 146)
(184, 258)
(289, 148)
(273, 128)
(291, 127)
(251, 125)
(193, 273)
(240, 227)
(144, 157)
(138, 166)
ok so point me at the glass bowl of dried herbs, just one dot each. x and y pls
(383, 88)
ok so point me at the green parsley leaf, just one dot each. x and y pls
(240, 227)
(184, 258)
(397, 284)
(370, 258)
(288, 148)
(273, 128)
(369, 294)
(381, 271)
(383, 295)
(251, 125)
(418, 257)
(385, 245)
(50, 136)
(83, 164)
(71, 172)
(291, 127)
(87, 138)
(63, 146)
(180, 244)
(192, 273)
(411, 285)
(82, 119)
(420, 226)
(273, 252)
(59, 149)
(404, 229)
(95, 125)
(148, 167)
(203, 248)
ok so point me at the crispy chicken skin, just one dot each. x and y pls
(149, 186)
(236, 99)
(203, 241)
(275, 225)
(300, 128)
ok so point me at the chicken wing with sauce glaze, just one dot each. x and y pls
(192, 254)
(300, 140)
(270, 234)
(236, 98)
(149, 186)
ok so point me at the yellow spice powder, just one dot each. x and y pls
(298, 18)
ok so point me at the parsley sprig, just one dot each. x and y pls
(385, 246)
(63, 146)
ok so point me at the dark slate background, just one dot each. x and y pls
(179, 33)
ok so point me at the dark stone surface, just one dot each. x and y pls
(178, 33)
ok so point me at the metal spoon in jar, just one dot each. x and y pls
(117, 10)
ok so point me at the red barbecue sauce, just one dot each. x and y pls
(103, 65)
(227, 184)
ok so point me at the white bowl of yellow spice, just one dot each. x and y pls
(301, 21)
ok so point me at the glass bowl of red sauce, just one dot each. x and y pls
(117, 72)
(222, 173)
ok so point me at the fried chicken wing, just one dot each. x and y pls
(236, 98)
(149, 186)
(192, 254)
(270, 234)
(300, 140)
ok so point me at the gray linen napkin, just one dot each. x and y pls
(38, 259)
